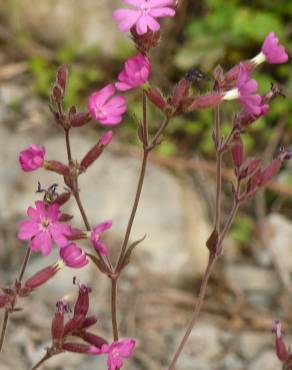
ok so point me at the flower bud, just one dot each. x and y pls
(57, 93)
(210, 100)
(42, 276)
(62, 77)
(146, 41)
(270, 171)
(95, 151)
(156, 97)
(89, 321)
(32, 158)
(76, 347)
(57, 328)
(93, 339)
(62, 198)
(82, 303)
(57, 167)
(80, 119)
(281, 350)
(180, 93)
(237, 151)
(75, 323)
(248, 167)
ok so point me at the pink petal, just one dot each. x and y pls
(54, 212)
(135, 3)
(152, 23)
(111, 121)
(122, 86)
(160, 3)
(27, 229)
(162, 12)
(101, 247)
(42, 241)
(33, 214)
(58, 236)
(40, 206)
(141, 25)
(103, 226)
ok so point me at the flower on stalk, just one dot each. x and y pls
(44, 226)
(135, 73)
(272, 52)
(117, 352)
(106, 108)
(95, 236)
(143, 14)
(246, 92)
(32, 158)
(73, 256)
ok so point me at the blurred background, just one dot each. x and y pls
(251, 285)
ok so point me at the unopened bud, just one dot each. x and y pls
(62, 77)
(95, 151)
(75, 323)
(57, 167)
(248, 168)
(253, 182)
(42, 276)
(57, 328)
(180, 93)
(237, 151)
(93, 339)
(146, 41)
(57, 93)
(76, 347)
(62, 198)
(89, 321)
(76, 234)
(80, 119)
(270, 171)
(82, 303)
(210, 100)
(156, 97)
(65, 217)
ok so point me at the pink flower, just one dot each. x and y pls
(106, 109)
(44, 226)
(143, 15)
(73, 256)
(274, 52)
(117, 352)
(246, 93)
(32, 158)
(135, 73)
(95, 236)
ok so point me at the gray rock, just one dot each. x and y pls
(231, 362)
(267, 361)
(57, 22)
(249, 344)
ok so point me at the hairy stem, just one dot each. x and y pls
(4, 327)
(68, 146)
(218, 169)
(42, 360)
(196, 312)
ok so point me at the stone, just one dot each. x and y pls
(266, 360)
(249, 344)
(68, 22)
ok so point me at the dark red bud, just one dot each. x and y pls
(93, 339)
(218, 73)
(62, 198)
(65, 217)
(181, 91)
(62, 77)
(57, 93)
(4, 300)
(42, 276)
(231, 76)
(254, 182)
(95, 151)
(80, 119)
(57, 328)
(237, 151)
(281, 349)
(210, 100)
(146, 41)
(212, 242)
(77, 234)
(75, 323)
(270, 171)
(76, 347)
(248, 168)
(57, 167)
(89, 321)
(156, 97)
(82, 303)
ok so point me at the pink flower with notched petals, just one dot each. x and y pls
(44, 226)
(95, 236)
(106, 108)
(32, 158)
(246, 93)
(274, 52)
(143, 14)
(135, 73)
(117, 352)
(73, 256)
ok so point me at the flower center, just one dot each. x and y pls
(115, 353)
(45, 223)
(100, 112)
(145, 8)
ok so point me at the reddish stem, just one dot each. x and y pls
(4, 327)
